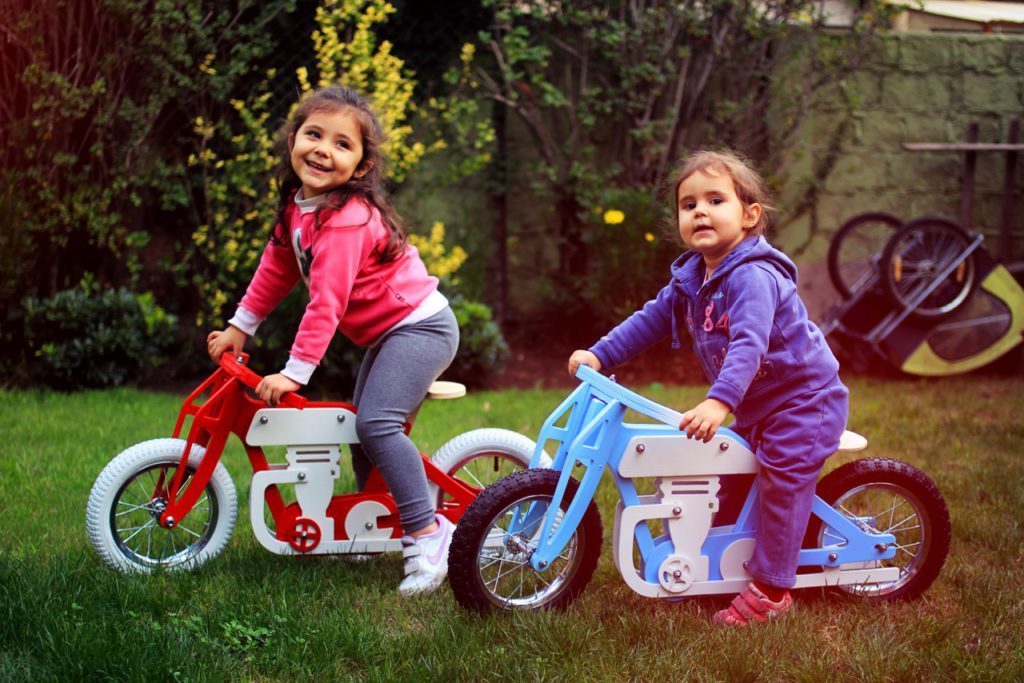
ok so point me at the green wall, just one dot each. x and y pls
(913, 88)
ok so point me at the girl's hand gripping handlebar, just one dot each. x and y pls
(582, 357)
(235, 366)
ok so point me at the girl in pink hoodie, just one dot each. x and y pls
(338, 233)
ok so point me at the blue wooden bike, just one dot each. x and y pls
(879, 528)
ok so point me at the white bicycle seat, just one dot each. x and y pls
(852, 441)
(445, 390)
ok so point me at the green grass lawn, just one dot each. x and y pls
(253, 615)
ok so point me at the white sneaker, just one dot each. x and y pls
(426, 559)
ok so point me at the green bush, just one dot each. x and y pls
(482, 348)
(82, 337)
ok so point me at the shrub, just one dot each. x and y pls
(82, 337)
(481, 346)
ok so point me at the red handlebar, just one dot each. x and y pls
(237, 368)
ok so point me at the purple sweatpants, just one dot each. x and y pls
(791, 446)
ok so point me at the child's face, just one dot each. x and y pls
(326, 151)
(712, 219)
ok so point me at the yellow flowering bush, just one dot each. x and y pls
(439, 261)
(240, 206)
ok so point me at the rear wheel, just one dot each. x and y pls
(889, 497)
(916, 258)
(481, 457)
(122, 517)
(489, 560)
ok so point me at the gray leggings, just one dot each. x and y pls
(393, 380)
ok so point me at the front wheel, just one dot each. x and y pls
(481, 457)
(890, 497)
(489, 560)
(122, 517)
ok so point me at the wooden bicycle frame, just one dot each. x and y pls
(229, 409)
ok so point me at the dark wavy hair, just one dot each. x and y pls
(369, 187)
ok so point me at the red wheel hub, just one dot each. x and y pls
(304, 535)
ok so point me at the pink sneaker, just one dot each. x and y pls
(752, 605)
(426, 559)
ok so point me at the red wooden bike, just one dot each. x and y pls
(171, 504)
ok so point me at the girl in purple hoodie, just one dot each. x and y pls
(768, 364)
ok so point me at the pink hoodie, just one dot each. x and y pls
(349, 288)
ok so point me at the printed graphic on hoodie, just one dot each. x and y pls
(304, 256)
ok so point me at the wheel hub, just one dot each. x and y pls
(516, 544)
(157, 506)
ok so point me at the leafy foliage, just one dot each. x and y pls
(83, 337)
(481, 346)
(95, 94)
(612, 93)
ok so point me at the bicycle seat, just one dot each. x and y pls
(446, 390)
(852, 441)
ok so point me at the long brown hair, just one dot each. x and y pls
(369, 186)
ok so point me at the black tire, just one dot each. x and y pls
(913, 257)
(865, 488)
(855, 247)
(479, 576)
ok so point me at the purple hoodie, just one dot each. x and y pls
(749, 328)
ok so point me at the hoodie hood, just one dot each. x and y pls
(688, 269)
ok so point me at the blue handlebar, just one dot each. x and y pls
(631, 399)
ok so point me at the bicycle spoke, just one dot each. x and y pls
(146, 495)
(187, 530)
(133, 508)
(147, 525)
(898, 526)
(905, 547)
(503, 575)
(497, 577)
(475, 481)
(502, 559)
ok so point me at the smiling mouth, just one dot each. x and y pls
(317, 167)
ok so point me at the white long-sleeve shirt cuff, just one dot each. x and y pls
(298, 370)
(246, 321)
